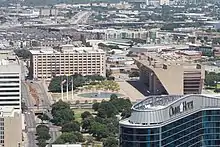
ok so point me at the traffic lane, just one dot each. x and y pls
(26, 95)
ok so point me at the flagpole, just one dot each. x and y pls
(72, 88)
(67, 88)
(62, 89)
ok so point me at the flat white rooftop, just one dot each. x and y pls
(67, 49)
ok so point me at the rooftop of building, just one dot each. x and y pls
(168, 58)
(169, 67)
(161, 101)
(8, 57)
(154, 111)
(8, 112)
(158, 47)
(155, 102)
(68, 48)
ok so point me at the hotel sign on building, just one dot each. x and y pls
(183, 107)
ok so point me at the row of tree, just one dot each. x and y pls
(75, 80)
(23, 53)
(42, 133)
(212, 78)
(102, 125)
(63, 116)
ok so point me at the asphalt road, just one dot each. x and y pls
(26, 95)
(29, 116)
(45, 102)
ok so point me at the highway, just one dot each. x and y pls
(80, 17)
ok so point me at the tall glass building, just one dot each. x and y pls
(173, 121)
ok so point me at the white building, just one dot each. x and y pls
(121, 34)
(69, 60)
(157, 2)
(10, 127)
(10, 86)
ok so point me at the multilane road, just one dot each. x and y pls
(29, 116)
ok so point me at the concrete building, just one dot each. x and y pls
(111, 33)
(48, 12)
(172, 121)
(10, 127)
(169, 73)
(48, 62)
(164, 2)
(157, 2)
(10, 77)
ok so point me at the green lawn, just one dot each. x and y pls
(78, 112)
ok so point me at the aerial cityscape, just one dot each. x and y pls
(109, 73)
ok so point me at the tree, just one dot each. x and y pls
(121, 104)
(211, 78)
(106, 110)
(87, 123)
(99, 130)
(23, 53)
(110, 142)
(78, 81)
(86, 114)
(108, 73)
(43, 117)
(83, 39)
(69, 137)
(55, 84)
(41, 128)
(113, 96)
(79, 137)
(71, 127)
(95, 106)
(41, 143)
(126, 113)
(42, 132)
(61, 113)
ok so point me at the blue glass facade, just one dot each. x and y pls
(201, 129)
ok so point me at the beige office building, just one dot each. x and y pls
(170, 74)
(69, 60)
(10, 128)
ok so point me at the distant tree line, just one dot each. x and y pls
(23, 53)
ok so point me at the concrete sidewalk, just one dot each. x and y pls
(130, 91)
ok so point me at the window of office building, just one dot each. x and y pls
(199, 129)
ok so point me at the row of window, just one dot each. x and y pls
(9, 81)
(70, 61)
(196, 129)
(78, 66)
(9, 95)
(8, 90)
(9, 86)
(9, 77)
